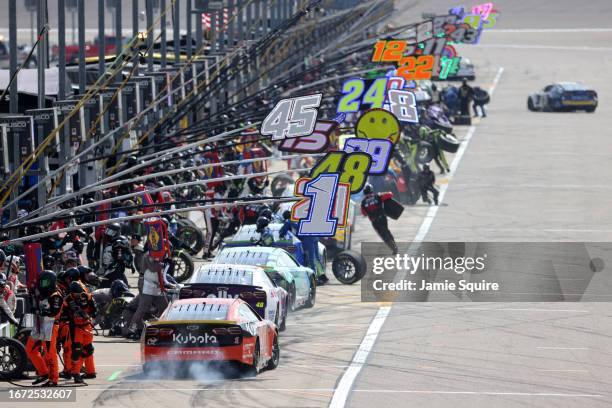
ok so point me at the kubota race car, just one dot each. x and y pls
(211, 329)
(247, 282)
(299, 281)
(563, 96)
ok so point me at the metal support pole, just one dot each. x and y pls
(61, 42)
(149, 12)
(221, 29)
(101, 38)
(213, 31)
(82, 76)
(134, 18)
(231, 24)
(266, 18)
(189, 28)
(13, 105)
(199, 32)
(162, 22)
(118, 34)
(41, 51)
(176, 29)
(239, 16)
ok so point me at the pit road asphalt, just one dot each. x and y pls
(523, 177)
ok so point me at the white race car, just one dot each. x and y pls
(249, 283)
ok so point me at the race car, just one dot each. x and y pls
(247, 235)
(299, 281)
(247, 282)
(563, 96)
(210, 329)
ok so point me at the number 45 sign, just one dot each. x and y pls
(292, 117)
(324, 206)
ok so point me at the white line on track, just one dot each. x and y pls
(345, 384)
(546, 47)
(524, 310)
(563, 348)
(439, 392)
(550, 30)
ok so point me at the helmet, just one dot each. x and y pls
(262, 222)
(367, 189)
(71, 256)
(72, 275)
(46, 282)
(131, 161)
(423, 131)
(118, 288)
(122, 242)
(62, 278)
(266, 212)
(113, 230)
(286, 215)
(75, 287)
(84, 271)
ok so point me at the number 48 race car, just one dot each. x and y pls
(210, 330)
(563, 96)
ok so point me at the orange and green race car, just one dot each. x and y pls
(210, 329)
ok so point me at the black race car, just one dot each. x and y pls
(563, 96)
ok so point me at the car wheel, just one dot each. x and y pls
(530, 105)
(183, 266)
(424, 153)
(449, 143)
(13, 358)
(273, 363)
(292, 306)
(192, 237)
(590, 110)
(312, 293)
(255, 366)
(443, 126)
(283, 325)
(349, 267)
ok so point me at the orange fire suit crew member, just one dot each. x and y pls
(63, 337)
(80, 308)
(43, 339)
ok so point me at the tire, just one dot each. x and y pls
(283, 324)
(192, 237)
(182, 265)
(530, 105)
(312, 295)
(274, 185)
(590, 110)
(253, 368)
(291, 299)
(424, 153)
(13, 358)
(349, 267)
(449, 143)
(273, 363)
(443, 126)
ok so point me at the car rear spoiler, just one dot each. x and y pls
(253, 295)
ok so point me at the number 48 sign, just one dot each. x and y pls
(292, 117)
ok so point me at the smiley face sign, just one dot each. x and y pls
(378, 124)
